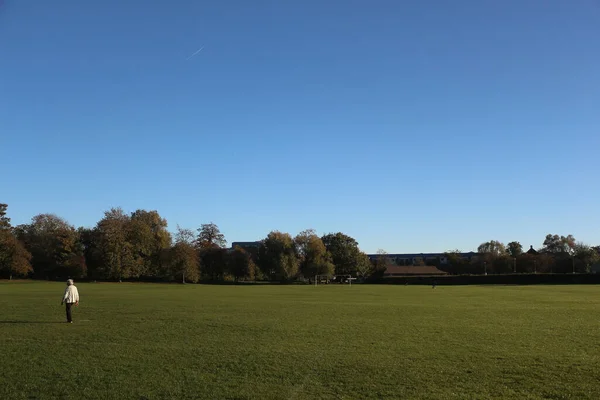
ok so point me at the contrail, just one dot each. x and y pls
(196, 52)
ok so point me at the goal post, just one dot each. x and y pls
(326, 279)
(322, 279)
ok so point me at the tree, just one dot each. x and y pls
(114, 249)
(277, 256)
(4, 220)
(183, 258)
(88, 239)
(365, 268)
(456, 263)
(214, 262)
(345, 254)
(209, 235)
(559, 244)
(240, 264)
(147, 233)
(514, 249)
(14, 257)
(54, 245)
(585, 256)
(312, 255)
(380, 263)
(493, 248)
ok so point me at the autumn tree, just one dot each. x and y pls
(277, 256)
(14, 257)
(345, 254)
(54, 245)
(240, 264)
(114, 249)
(209, 236)
(149, 238)
(312, 255)
(184, 261)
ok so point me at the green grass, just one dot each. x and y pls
(142, 341)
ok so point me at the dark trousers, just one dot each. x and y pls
(69, 317)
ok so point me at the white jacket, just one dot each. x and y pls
(71, 295)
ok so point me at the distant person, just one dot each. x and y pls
(434, 284)
(71, 297)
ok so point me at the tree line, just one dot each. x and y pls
(138, 246)
(559, 254)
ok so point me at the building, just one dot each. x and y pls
(397, 270)
(246, 245)
(422, 258)
(532, 251)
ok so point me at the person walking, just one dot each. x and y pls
(71, 297)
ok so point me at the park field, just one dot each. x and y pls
(152, 341)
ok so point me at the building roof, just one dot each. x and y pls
(531, 250)
(422, 255)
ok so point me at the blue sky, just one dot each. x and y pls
(413, 126)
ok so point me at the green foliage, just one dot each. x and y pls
(113, 247)
(458, 265)
(277, 257)
(184, 263)
(240, 265)
(585, 256)
(493, 248)
(514, 249)
(54, 245)
(148, 236)
(314, 259)
(214, 263)
(559, 244)
(4, 220)
(345, 254)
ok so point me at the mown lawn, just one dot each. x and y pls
(142, 341)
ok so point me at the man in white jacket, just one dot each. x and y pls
(71, 297)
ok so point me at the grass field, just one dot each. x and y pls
(143, 341)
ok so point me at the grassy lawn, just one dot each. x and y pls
(142, 341)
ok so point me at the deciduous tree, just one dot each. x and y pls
(184, 261)
(209, 235)
(514, 249)
(114, 248)
(345, 254)
(14, 258)
(585, 257)
(314, 259)
(277, 256)
(493, 248)
(240, 264)
(559, 244)
(54, 245)
(149, 238)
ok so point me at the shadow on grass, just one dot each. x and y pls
(31, 322)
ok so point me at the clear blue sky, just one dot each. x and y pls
(413, 126)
